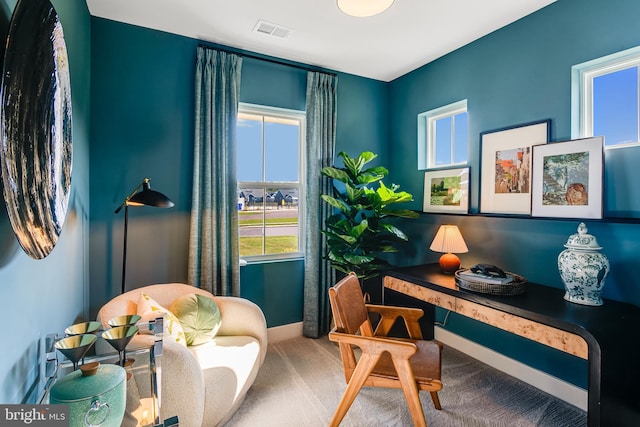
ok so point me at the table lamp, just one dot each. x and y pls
(449, 241)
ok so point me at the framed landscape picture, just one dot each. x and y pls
(505, 167)
(446, 190)
(567, 179)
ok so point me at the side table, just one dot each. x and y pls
(143, 374)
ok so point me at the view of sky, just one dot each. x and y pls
(444, 129)
(615, 105)
(280, 151)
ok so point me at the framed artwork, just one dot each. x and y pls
(567, 179)
(446, 190)
(505, 167)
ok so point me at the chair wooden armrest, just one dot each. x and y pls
(375, 345)
(389, 314)
(409, 364)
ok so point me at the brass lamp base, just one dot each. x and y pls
(449, 263)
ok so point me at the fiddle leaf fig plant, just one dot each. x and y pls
(360, 230)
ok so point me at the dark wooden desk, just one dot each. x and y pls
(607, 336)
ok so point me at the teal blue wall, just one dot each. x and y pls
(520, 74)
(38, 297)
(141, 112)
(142, 119)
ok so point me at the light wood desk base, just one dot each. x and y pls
(544, 334)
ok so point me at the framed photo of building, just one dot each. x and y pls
(567, 179)
(446, 190)
(505, 167)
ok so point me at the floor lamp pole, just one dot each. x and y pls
(146, 197)
(124, 248)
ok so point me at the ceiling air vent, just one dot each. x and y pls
(270, 29)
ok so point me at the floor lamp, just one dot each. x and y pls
(144, 197)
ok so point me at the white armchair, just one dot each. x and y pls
(203, 385)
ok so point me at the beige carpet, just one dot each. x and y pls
(301, 383)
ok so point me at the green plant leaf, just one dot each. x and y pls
(368, 178)
(349, 163)
(335, 173)
(360, 228)
(358, 259)
(367, 156)
(402, 213)
(338, 204)
(377, 170)
(349, 239)
(353, 194)
(394, 230)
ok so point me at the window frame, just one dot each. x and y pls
(286, 114)
(427, 135)
(582, 76)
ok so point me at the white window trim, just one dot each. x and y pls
(426, 134)
(284, 113)
(582, 76)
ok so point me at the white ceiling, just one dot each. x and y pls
(408, 35)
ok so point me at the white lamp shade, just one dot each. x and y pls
(449, 240)
(364, 8)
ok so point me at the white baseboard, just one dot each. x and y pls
(563, 390)
(284, 332)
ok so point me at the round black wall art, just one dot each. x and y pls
(35, 146)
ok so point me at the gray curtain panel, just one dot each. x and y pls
(213, 245)
(319, 276)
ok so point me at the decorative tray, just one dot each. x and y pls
(515, 287)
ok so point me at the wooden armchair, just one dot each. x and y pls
(410, 364)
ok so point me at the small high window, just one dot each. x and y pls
(605, 98)
(443, 136)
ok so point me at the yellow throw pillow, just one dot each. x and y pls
(149, 309)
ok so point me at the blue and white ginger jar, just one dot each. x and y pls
(583, 268)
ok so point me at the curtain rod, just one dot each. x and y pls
(270, 59)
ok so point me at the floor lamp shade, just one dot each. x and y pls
(145, 197)
(449, 241)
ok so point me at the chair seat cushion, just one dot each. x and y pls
(228, 363)
(425, 363)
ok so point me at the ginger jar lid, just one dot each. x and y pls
(582, 240)
(80, 384)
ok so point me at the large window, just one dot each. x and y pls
(605, 99)
(443, 136)
(270, 182)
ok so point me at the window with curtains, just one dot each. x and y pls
(442, 136)
(606, 95)
(270, 174)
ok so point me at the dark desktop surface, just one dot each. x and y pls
(612, 332)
